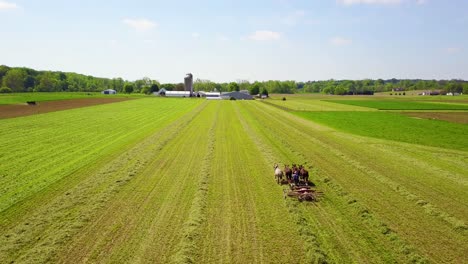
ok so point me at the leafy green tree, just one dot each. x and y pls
(47, 83)
(128, 88)
(14, 79)
(264, 91)
(244, 85)
(341, 90)
(255, 88)
(5, 90)
(179, 87)
(465, 88)
(154, 88)
(233, 86)
(29, 82)
(168, 86)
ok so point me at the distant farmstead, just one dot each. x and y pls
(236, 95)
(164, 92)
(109, 91)
(436, 92)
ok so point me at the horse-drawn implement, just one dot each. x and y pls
(303, 193)
(297, 178)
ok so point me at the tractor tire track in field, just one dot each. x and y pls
(39, 236)
(365, 219)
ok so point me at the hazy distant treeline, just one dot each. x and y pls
(16, 79)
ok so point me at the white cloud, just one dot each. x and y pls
(140, 24)
(265, 35)
(452, 50)
(7, 5)
(195, 35)
(339, 41)
(369, 2)
(421, 2)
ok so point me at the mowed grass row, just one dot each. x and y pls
(146, 220)
(39, 150)
(39, 228)
(199, 187)
(246, 218)
(382, 203)
(197, 190)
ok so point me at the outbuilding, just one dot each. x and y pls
(236, 95)
(163, 92)
(109, 91)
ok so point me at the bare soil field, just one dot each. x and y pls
(455, 117)
(16, 110)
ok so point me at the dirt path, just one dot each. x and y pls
(10, 111)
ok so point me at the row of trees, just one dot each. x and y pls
(29, 80)
(369, 86)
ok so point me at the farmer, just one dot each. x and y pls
(296, 176)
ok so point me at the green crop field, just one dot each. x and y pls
(160, 180)
(395, 126)
(403, 105)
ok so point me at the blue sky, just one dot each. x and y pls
(232, 40)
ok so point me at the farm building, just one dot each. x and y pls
(236, 95)
(398, 89)
(109, 91)
(163, 92)
(430, 93)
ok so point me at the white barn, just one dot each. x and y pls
(163, 92)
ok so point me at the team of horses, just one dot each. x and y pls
(295, 174)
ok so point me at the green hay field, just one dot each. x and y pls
(159, 180)
(403, 105)
(395, 126)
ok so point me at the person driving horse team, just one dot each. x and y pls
(296, 176)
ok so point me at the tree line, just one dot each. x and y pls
(21, 79)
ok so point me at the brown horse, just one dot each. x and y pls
(304, 174)
(288, 173)
(278, 174)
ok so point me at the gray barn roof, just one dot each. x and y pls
(237, 95)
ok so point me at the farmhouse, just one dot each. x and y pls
(236, 95)
(109, 91)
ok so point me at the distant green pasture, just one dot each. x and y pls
(402, 105)
(18, 98)
(395, 126)
(302, 104)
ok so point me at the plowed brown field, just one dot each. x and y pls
(9, 111)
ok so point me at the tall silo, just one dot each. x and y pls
(188, 80)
